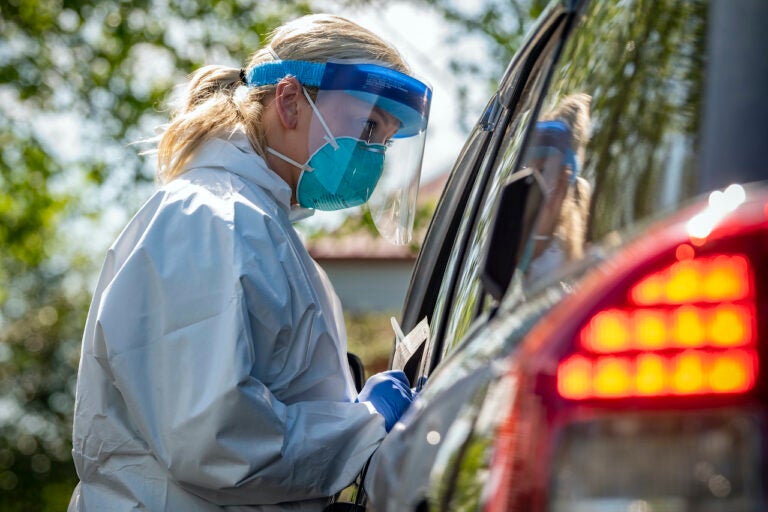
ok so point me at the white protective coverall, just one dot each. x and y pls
(213, 372)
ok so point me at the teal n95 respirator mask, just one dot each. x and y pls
(366, 139)
(342, 173)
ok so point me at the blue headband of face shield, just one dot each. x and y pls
(398, 94)
(551, 138)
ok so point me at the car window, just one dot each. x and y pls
(615, 140)
(433, 258)
(467, 298)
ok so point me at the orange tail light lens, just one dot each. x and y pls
(722, 278)
(688, 329)
(693, 372)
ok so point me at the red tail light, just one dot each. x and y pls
(688, 329)
(645, 388)
(710, 279)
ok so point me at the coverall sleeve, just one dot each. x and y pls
(188, 362)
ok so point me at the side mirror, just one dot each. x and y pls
(519, 202)
(358, 370)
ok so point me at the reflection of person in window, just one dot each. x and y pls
(557, 151)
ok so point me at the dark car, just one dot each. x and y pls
(593, 280)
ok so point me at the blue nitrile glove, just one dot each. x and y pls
(389, 393)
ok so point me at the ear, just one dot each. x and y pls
(288, 95)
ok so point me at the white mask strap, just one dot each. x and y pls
(303, 167)
(329, 138)
(272, 52)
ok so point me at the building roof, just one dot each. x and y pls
(360, 245)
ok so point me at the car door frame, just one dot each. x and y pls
(472, 171)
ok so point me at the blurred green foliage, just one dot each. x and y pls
(370, 337)
(501, 23)
(80, 82)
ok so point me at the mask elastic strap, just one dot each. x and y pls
(272, 52)
(329, 138)
(303, 167)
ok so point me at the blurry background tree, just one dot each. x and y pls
(502, 23)
(80, 82)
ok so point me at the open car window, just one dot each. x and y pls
(462, 298)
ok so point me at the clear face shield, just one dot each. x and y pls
(365, 141)
(550, 153)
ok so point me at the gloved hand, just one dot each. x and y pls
(389, 393)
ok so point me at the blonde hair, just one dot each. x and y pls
(211, 107)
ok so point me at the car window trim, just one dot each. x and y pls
(512, 88)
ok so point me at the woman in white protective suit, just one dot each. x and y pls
(213, 372)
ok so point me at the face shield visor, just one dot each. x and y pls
(365, 141)
(550, 153)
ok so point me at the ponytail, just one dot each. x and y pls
(210, 109)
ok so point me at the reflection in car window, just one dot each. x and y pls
(468, 301)
(644, 77)
(556, 155)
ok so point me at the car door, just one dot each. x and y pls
(446, 287)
